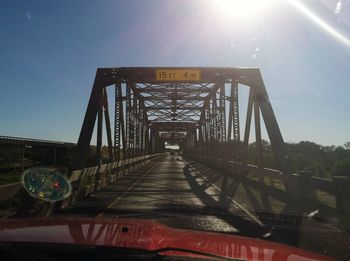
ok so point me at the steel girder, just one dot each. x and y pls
(174, 101)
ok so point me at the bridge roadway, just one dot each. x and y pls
(192, 197)
(173, 194)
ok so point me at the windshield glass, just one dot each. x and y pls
(226, 116)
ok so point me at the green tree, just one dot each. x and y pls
(347, 145)
(342, 168)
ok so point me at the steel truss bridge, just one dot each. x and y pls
(196, 108)
(148, 105)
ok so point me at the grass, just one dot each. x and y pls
(278, 184)
(326, 198)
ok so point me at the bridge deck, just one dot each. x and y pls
(178, 196)
(173, 194)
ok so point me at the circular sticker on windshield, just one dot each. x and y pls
(46, 184)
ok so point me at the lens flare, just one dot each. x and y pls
(248, 10)
(319, 21)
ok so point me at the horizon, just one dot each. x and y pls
(106, 145)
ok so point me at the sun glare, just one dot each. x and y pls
(248, 10)
(241, 9)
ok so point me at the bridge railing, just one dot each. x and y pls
(89, 180)
(14, 200)
(329, 196)
(21, 140)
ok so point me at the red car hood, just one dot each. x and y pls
(145, 235)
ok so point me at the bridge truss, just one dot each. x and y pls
(196, 108)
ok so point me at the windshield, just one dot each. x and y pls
(225, 116)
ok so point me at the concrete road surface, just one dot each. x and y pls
(169, 192)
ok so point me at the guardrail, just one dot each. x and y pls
(84, 182)
(329, 196)
(10, 139)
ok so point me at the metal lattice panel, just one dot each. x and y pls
(117, 120)
(235, 112)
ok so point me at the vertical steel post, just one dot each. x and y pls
(122, 125)
(258, 151)
(247, 126)
(200, 132)
(222, 113)
(215, 118)
(117, 120)
(134, 124)
(99, 131)
(230, 116)
(207, 129)
(258, 145)
(142, 114)
(235, 112)
(108, 126)
(127, 121)
(151, 142)
(235, 120)
(139, 128)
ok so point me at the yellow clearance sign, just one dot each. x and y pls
(178, 75)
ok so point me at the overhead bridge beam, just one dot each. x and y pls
(170, 98)
(149, 75)
(154, 108)
(161, 89)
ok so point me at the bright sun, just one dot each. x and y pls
(241, 9)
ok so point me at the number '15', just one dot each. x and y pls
(162, 75)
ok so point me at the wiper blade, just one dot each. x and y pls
(195, 252)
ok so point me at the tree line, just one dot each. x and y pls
(304, 156)
(309, 157)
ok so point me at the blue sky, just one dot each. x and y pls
(49, 52)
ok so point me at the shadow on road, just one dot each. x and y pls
(281, 227)
(222, 207)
